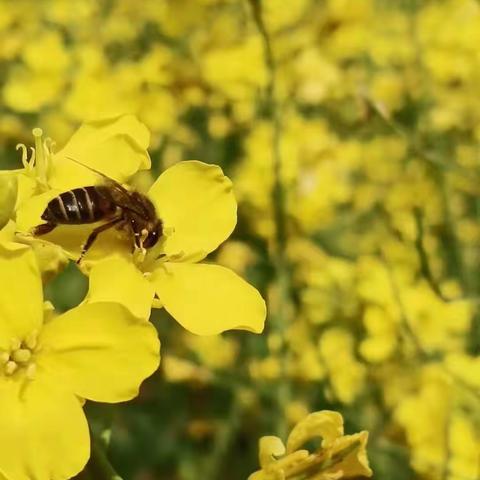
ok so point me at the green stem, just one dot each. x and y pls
(223, 440)
(280, 261)
(425, 269)
(99, 465)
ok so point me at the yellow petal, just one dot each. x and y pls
(26, 188)
(8, 194)
(30, 211)
(118, 280)
(21, 296)
(8, 240)
(116, 147)
(352, 454)
(325, 424)
(196, 202)
(45, 433)
(269, 449)
(100, 350)
(209, 299)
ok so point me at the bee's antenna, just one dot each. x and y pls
(119, 187)
(87, 167)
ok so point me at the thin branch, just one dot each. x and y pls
(422, 353)
(425, 269)
(278, 202)
(412, 143)
(99, 465)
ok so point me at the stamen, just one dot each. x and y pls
(23, 148)
(49, 145)
(19, 358)
(23, 355)
(31, 340)
(28, 163)
(4, 358)
(10, 367)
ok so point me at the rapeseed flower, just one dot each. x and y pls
(196, 205)
(49, 364)
(198, 210)
(339, 455)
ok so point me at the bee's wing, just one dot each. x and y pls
(120, 189)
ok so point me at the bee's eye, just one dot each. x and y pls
(151, 240)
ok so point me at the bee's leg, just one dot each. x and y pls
(93, 236)
(137, 241)
(43, 229)
(138, 237)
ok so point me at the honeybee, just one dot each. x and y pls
(118, 207)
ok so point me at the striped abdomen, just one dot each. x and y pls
(80, 205)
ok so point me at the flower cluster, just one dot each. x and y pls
(102, 349)
(339, 455)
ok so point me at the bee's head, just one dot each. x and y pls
(154, 233)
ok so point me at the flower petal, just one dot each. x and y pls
(351, 450)
(44, 435)
(8, 194)
(269, 448)
(26, 188)
(100, 350)
(8, 240)
(209, 299)
(116, 147)
(118, 280)
(196, 201)
(30, 211)
(325, 424)
(21, 296)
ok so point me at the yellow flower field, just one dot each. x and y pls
(284, 194)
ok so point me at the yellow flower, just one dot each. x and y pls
(339, 455)
(347, 375)
(94, 145)
(38, 82)
(46, 174)
(49, 364)
(196, 204)
(51, 259)
(197, 207)
(237, 71)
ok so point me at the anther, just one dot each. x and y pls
(4, 358)
(31, 340)
(10, 367)
(15, 344)
(22, 355)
